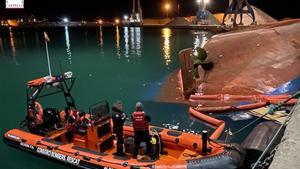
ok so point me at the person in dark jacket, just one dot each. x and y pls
(118, 117)
(140, 121)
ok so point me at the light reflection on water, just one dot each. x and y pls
(37, 40)
(24, 39)
(12, 43)
(118, 53)
(126, 42)
(135, 41)
(132, 42)
(13, 47)
(101, 41)
(1, 45)
(68, 45)
(166, 34)
(201, 39)
(101, 37)
(137, 31)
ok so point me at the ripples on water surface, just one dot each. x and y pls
(116, 63)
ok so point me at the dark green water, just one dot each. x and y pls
(127, 64)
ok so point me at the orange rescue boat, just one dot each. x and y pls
(91, 144)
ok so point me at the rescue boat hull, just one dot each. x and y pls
(231, 157)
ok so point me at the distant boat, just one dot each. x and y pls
(136, 17)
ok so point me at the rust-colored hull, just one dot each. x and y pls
(247, 63)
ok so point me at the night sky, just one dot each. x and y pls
(109, 9)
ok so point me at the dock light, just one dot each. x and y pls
(125, 17)
(203, 1)
(66, 20)
(117, 21)
(202, 5)
(100, 21)
(167, 7)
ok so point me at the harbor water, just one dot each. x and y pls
(109, 63)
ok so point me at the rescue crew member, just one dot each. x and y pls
(118, 117)
(154, 146)
(72, 121)
(140, 123)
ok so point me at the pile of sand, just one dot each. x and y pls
(179, 21)
(260, 17)
(212, 20)
(150, 21)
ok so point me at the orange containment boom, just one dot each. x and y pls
(219, 124)
(254, 101)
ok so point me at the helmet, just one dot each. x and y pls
(118, 105)
(139, 106)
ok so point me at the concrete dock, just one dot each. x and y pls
(288, 153)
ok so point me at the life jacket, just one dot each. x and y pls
(139, 121)
(39, 113)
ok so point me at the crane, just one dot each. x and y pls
(236, 7)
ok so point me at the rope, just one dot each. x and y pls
(255, 165)
(214, 141)
(190, 155)
(272, 109)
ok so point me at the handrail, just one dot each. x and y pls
(255, 165)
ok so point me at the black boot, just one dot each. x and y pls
(119, 150)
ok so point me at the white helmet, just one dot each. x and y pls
(138, 105)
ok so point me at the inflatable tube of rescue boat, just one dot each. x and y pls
(228, 156)
(172, 138)
(231, 158)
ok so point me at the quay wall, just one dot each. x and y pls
(288, 153)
